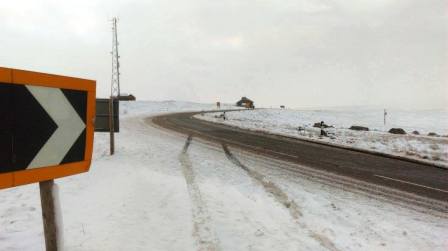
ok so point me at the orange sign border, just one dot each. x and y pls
(22, 77)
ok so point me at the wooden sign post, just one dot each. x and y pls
(50, 218)
(111, 125)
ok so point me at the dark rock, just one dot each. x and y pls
(359, 128)
(433, 134)
(415, 133)
(397, 131)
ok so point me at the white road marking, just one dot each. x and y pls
(70, 126)
(407, 182)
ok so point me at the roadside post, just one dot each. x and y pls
(46, 133)
(111, 125)
(52, 224)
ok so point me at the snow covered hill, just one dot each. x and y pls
(287, 122)
(160, 193)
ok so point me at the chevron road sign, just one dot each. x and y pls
(46, 126)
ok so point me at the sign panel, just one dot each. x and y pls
(47, 125)
(102, 115)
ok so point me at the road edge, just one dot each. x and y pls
(388, 155)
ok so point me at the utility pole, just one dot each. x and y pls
(115, 83)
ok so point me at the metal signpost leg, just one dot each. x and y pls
(49, 215)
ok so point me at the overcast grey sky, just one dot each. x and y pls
(300, 53)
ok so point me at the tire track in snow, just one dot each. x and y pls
(384, 194)
(206, 239)
(269, 186)
(282, 198)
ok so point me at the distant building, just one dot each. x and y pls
(245, 102)
(126, 97)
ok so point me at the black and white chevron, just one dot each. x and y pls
(41, 126)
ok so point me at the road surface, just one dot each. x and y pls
(414, 178)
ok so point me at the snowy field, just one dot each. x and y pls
(158, 193)
(287, 122)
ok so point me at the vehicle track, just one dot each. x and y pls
(381, 193)
(398, 194)
(408, 177)
(268, 186)
(206, 239)
(282, 198)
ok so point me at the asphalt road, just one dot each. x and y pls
(417, 178)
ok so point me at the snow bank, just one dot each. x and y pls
(286, 122)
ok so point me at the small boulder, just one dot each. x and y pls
(397, 131)
(433, 134)
(358, 128)
(415, 133)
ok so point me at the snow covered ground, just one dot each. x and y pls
(159, 193)
(287, 121)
